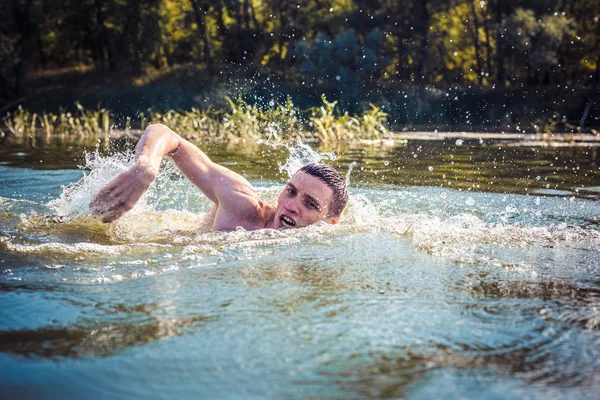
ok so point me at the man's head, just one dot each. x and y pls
(317, 192)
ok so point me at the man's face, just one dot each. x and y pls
(305, 200)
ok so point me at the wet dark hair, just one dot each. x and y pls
(335, 181)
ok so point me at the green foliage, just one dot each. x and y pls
(330, 126)
(344, 63)
(537, 41)
(86, 122)
(241, 121)
(453, 57)
(345, 44)
(351, 50)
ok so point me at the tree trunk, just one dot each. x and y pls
(488, 44)
(219, 16)
(476, 43)
(253, 16)
(134, 32)
(199, 14)
(421, 16)
(26, 45)
(107, 55)
(238, 14)
(500, 53)
(246, 14)
(282, 16)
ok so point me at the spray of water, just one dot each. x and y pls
(98, 171)
(300, 154)
(173, 207)
(171, 204)
(347, 180)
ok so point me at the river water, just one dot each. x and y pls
(463, 269)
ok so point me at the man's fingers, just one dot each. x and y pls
(101, 198)
(117, 197)
(107, 200)
(102, 204)
(114, 210)
(113, 216)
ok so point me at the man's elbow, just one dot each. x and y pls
(158, 128)
(163, 132)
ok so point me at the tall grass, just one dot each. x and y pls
(330, 126)
(241, 120)
(84, 123)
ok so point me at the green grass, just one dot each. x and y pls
(241, 120)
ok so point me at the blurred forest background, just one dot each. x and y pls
(496, 65)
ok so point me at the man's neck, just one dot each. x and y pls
(269, 216)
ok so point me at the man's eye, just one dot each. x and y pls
(311, 205)
(292, 191)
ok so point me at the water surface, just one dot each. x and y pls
(460, 269)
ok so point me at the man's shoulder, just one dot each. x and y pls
(248, 212)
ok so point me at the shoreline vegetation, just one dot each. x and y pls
(98, 66)
(462, 66)
(241, 120)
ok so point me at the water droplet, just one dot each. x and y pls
(430, 168)
(386, 162)
(537, 178)
(459, 142)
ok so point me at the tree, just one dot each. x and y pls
(19, 40)
(534, 44)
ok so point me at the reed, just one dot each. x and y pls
(331, 126)
(240, 120)
(23, 123)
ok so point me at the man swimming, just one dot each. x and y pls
(317, 192)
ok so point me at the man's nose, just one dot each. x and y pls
(292, 205)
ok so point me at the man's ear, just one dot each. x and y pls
(334, 220)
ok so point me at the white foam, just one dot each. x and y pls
(66, 249)
(98, 171)
(422, 214)
(300, 154)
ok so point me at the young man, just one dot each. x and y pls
(315, 193)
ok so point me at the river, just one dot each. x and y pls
(461, 268)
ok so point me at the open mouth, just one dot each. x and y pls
(287, 221)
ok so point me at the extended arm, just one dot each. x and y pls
(221, 185)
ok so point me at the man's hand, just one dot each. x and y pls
(122, 193)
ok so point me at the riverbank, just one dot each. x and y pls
(542, 109)
(277, 122)
(509, 139)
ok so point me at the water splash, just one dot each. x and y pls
(98, 171)
(435, 222)
(350, 168)
(300, 154)
(169, 190)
